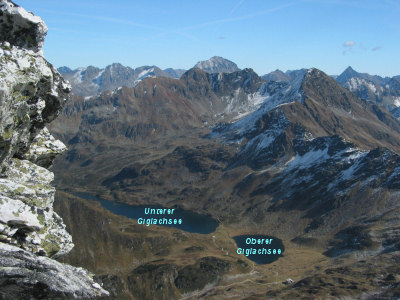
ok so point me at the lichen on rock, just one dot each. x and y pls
(27, 206)
(32, 93)
(44, 149)
(21, 28)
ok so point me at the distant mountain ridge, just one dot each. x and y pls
(384, 91)
(164, 105)
(91, 80)
(280, 76)
(175, 73)
(276, 75)
(350, 73)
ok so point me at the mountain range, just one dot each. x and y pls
(382, 91)
(91, 81)
(303, 159)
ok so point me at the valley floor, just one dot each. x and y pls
(134, 261)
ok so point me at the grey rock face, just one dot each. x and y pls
(27, 276)
(217, 64)
(44, 149)
(26, 211)
(32, 93)
(21, 28)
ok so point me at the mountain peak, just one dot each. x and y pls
(276, 75)
(194, 73)
(314, 77)
(346, 75)
(349, 69)
(175, 73)
(117, 66)
(64, 69)
(197, 81)
(217, 64)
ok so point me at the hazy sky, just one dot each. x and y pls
(261, 34)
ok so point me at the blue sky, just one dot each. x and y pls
(261, 34)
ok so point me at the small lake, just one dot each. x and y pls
(191, 221)
(262, 249)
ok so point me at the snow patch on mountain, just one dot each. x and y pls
(357, 84)
(145, 73)
(269, 97)
(77, 77)
(257, 99)
(97, 79)
(287, 94)
(308, 159)
(236, 105)
(353, 161)
(356, 159)
(262, 141)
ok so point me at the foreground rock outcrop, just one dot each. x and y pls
(32, 93)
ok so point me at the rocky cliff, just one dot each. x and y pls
(32, 93)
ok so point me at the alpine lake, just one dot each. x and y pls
(191, 221)
(261, 249)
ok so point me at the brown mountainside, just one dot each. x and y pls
(157, 106)
(330, 109)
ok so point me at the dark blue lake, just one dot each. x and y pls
(262, 249)
(191, 221)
